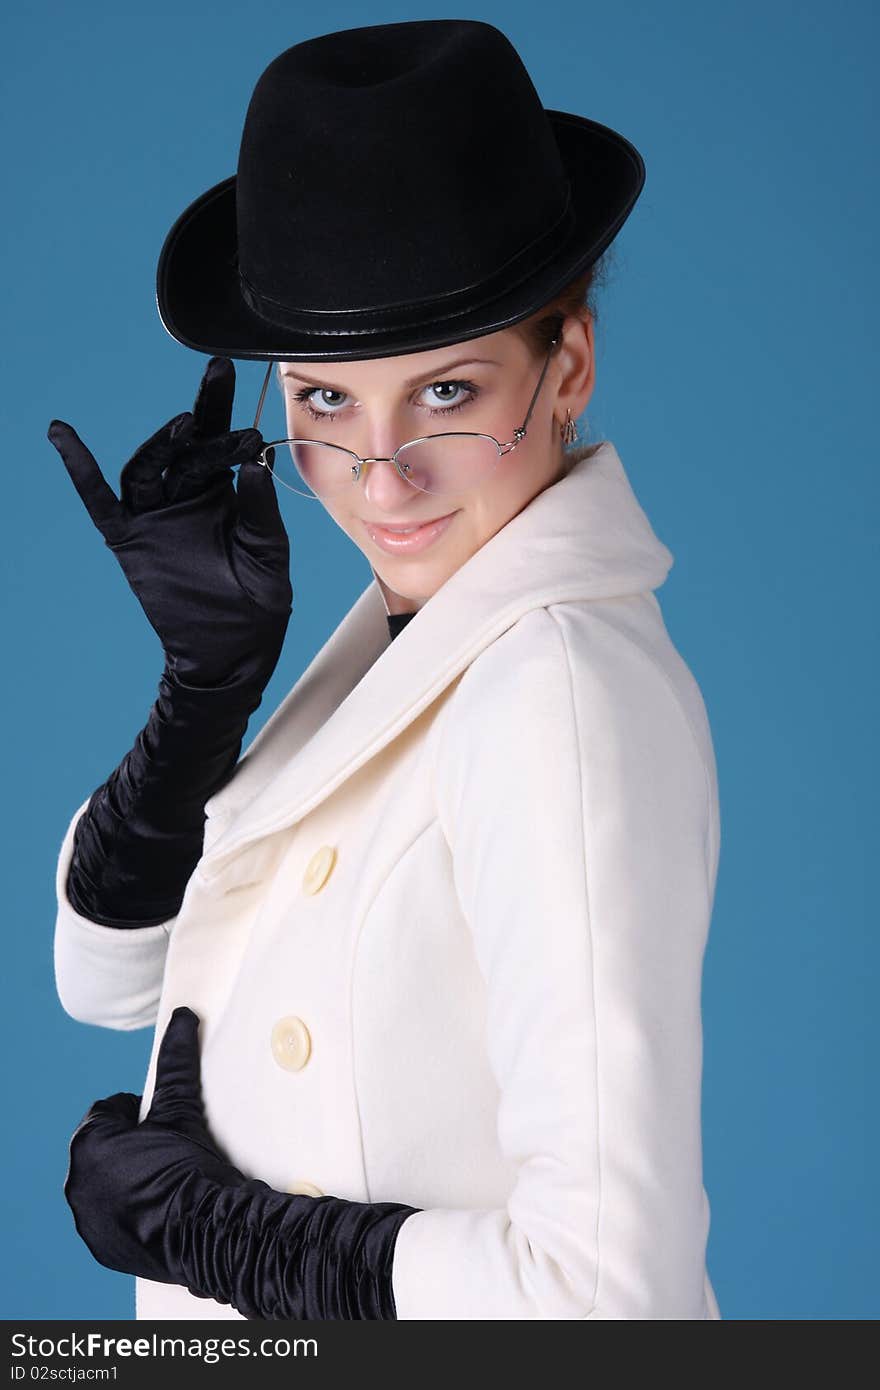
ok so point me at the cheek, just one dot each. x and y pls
(487, 509)
(530, 471)
(509, 492)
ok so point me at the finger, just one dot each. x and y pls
(212, 411)
(259, 515)
(100, 500)
(205, 457)
(140, 482)
(177, 1095)
(114, 1114)
(191, 473)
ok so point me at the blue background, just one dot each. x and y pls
(737, 376)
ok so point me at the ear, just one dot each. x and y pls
(575, 367)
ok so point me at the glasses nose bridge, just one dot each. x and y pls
(393, 459)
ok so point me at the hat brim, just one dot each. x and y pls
(201, 306)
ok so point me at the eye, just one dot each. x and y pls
(304, 396)
(456, 402)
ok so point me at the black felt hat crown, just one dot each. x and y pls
(400, 187)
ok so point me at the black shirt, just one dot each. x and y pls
(398, 621)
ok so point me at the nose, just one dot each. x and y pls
(384, 488)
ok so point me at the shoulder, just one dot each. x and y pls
(604, 670)
(620, 646)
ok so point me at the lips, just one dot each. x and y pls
(397, 540)
(399, 526)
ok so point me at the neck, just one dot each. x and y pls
(396, 603)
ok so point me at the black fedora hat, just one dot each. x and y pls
(400, 187)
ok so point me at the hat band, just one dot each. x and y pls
(531, 258)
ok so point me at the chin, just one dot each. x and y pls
(409, 582)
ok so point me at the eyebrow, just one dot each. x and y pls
(413, 381)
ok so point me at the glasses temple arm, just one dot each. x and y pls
(522, 429)
(262, 399)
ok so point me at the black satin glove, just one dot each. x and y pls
(210, 567)
(137, 842)
(159, 1200)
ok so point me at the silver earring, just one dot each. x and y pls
(569, 430)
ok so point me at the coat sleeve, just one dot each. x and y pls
(576, 803)
(110, 976)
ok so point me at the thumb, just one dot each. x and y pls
(106, 1121)
(100, 500)
(114, 1115)
(259, 516)
(177, 1095)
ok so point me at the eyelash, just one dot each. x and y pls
(302, 397)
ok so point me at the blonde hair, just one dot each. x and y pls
(577, 298)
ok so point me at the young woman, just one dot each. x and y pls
(425, 964)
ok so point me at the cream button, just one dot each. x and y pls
(305, 1189)
(318, 869)
(291, 1043)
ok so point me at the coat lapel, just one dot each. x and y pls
(586, 536)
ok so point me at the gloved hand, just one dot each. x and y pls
(210, 567)
(158, 1199)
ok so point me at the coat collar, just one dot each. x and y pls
(584, 537)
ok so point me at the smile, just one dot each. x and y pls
(409, 540)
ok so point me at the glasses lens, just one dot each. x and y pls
(449, 462)
(443, 464)
(319, 469)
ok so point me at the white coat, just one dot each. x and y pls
(446, 937)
